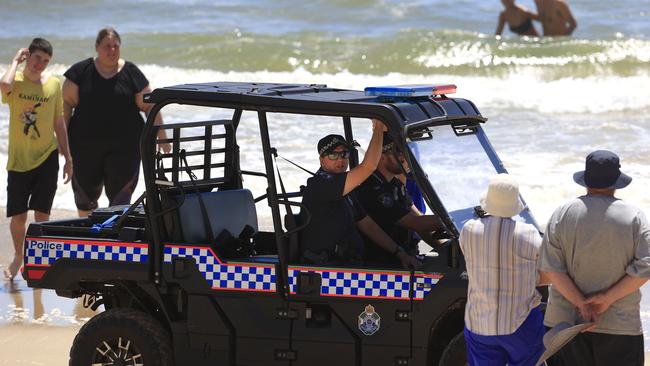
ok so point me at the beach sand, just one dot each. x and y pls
(37, 327)
(30, 335)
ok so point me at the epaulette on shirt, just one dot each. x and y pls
(324, 174)
(379, 180)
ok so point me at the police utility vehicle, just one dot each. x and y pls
(187, 276)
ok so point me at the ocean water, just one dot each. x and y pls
(549, 101)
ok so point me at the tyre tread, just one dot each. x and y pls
(454, 350)
(155, 335)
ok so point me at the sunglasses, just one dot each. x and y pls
(338, 154)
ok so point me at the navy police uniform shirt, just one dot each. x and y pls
(386, 203)
(333, 216)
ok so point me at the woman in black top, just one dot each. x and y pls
(519, 19)
(102, 105)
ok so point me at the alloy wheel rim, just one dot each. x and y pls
(117, 352)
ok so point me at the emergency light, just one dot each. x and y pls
(410, 91)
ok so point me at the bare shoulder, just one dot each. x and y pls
(522, 8)
(120, 64)
(562, 6)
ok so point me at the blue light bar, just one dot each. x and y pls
(410, 91)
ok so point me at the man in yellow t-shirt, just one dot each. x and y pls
(36, 130)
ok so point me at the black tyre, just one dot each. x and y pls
(123, 337)
(455, 354)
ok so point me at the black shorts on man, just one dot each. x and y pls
(33, 189)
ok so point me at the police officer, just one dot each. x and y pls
(383, 195)
(332, 235)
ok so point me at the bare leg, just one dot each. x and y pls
(39, 310)
(17, 228)
(41, 216)
(83, 213)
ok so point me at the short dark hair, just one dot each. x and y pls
(40, 44)
(107, 32)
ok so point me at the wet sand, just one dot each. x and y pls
(37, 327)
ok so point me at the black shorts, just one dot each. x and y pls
(599, 349)
(33, 189)
(114, 170)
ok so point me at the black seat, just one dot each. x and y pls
(230, 210)
(290, 223)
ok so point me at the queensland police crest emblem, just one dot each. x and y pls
(369, 321)
(386, 200)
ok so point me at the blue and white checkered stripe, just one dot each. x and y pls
(424, 284)
(78, 250)
(394, 286)
(358, 284)
(225, 276)
(368, 284)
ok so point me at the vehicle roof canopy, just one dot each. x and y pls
(406, 117)
(321, 100)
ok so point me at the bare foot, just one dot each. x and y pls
(10, 273)
(8, 276)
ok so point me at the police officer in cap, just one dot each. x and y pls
(384, 197)
(333, 233)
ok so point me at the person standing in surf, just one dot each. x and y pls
(519, 19)
(556, 17)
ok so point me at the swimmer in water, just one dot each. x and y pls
(556, 17)
(519, 19)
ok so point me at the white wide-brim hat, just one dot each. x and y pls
(558, 336)
(502, 197)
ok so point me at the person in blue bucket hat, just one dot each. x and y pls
(602, 171)
(596, 254)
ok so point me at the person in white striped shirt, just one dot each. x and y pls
(503, 321)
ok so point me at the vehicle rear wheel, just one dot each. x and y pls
(455, 354)
(121, 337)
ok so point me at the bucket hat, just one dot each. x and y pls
(602, 171)
(502, 197)
(558, 336)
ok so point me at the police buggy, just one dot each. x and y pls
(189, 275)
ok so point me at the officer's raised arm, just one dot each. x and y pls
(361, 172)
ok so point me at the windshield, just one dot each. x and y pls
(458, 168)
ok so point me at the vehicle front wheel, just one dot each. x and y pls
(124, 337)
(455, 354)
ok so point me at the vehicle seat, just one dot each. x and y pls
(230, 210)
(294, 239)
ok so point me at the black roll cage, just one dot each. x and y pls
(402, 117)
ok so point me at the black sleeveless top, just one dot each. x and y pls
(107, 112)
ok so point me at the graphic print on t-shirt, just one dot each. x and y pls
(29, 117)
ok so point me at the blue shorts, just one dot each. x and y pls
(521, 348)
